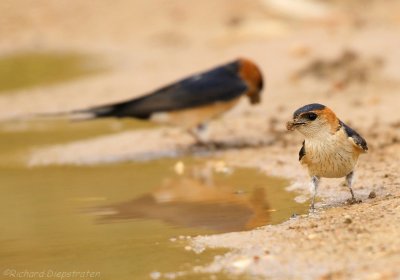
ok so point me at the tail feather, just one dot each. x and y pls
(118, 110)
(92, 113)
(79, 115)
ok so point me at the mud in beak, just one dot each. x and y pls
(293, 124)
(255, 99)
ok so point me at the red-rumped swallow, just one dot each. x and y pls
(330, 149)
(193, 101)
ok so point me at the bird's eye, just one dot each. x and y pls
(311, 116)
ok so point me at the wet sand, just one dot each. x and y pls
(147, 46)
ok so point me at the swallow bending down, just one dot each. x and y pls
(330, 149)
(193, 101)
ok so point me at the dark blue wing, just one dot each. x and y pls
(217, 85)
(358, 140)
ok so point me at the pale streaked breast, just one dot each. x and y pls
(334, 157)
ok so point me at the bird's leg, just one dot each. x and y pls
(349, 181)
(314, 188)
(200, 133)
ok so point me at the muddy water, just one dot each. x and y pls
(29, 69)
(122, 220)
(18, 138)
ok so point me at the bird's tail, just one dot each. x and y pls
(94, 112)
(73, 115)
(115, 110)
(130, 108)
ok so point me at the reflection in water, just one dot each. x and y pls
(196, 200)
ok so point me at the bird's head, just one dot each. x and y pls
(251, 74)
(314, 120)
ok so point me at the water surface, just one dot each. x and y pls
(29, 69)
(123, 220)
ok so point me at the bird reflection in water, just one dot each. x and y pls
(195, 199)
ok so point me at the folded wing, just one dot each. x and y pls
(221, 84)
(358, 141)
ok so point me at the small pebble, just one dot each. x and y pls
(371, 195)
(312, 236)
(170, 275)
(188, 248)
(155, 275)
(179, 167)
(347, 220)
(241, 263)
(240, 192)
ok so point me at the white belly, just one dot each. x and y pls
(331, 158)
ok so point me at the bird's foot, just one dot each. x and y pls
(353, 200)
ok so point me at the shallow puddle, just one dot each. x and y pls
(28, 69)
(125, 220)
(17, 138)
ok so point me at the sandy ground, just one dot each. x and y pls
(303, 55)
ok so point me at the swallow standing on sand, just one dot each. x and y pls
(330, 149)
(193, 101)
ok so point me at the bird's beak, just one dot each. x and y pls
(293, 124)
(254, 99)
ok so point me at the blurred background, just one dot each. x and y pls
(74, 197)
